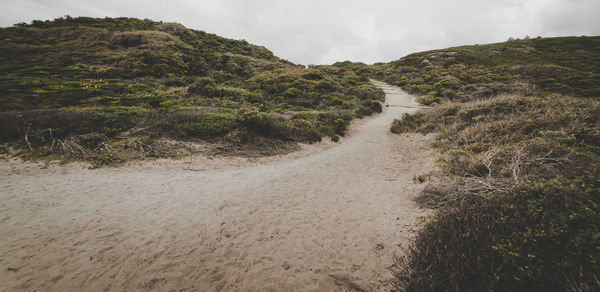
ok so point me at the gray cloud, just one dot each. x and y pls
(322, 32)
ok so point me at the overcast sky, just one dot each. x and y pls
(323, 32)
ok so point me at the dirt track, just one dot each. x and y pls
(317, 219)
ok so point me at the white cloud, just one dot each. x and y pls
(317, 32)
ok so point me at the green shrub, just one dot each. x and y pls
(303, 130)
(340, 126)
(371, 106)
(334, 100)
(254, 97)
(367, 92)
(167, 103)
(430, 100)
(293, 92)
(326, 86)
(205, 86)
(263, 123)
(197, 125)
(408, 123)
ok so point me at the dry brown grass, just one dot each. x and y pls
(492, 145)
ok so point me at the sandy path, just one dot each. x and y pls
(295, 222)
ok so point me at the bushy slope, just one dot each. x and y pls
(518, 125)
(88, 61)
(567, 65)
(93, 86)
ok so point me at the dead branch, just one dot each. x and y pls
(135, 128)
(27, 140)
(488, 159)
(72, 148)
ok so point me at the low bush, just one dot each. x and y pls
(196, 125)
(430, 100)
(262, 123)
(205, 86)
(371, 106)
(367, 92)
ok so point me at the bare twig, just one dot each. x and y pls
(27, 140)
(488, 159)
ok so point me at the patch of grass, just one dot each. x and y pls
(197, 125)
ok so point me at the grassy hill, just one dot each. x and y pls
(518, 127)
(566, 65)
(112, 89)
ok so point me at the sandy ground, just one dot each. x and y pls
(318, 219)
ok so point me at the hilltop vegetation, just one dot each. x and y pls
(566, 65)
(112, 89)
(518, 126)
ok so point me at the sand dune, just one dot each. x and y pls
(328, 217)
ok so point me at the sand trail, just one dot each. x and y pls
(316, 219)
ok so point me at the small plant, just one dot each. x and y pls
(340, 126)
(205, 86)
(372, 106)
(167, 104)
(421, 178)
(430, 100)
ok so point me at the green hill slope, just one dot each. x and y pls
(54, 64)
(568, 65)
(98, 88)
